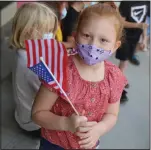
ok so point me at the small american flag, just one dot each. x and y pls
(43, 73)
(54, 54)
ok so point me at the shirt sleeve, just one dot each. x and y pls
(117, 84)
(33, 80)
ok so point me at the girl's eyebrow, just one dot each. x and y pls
(85, 31)
(104, 36)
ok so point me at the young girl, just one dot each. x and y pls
(31, 21)
(95, 86)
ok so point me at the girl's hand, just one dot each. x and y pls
(89, 134)
(74, 121)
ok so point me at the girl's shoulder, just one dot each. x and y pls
(112, 68)
(113, 72)
(70, 62)
(21, 53)
(116, 79)
(21, 56)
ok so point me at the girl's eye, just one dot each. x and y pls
(86, 35)
(104, 40)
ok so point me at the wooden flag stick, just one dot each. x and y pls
(59, 86)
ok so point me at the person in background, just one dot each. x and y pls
(147, 32)
(31, 21)
(135, 12)
(147, 42)
(95, 86)
(143, 43)
(70, 21)
(61, 11)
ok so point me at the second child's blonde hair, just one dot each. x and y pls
(31, 21)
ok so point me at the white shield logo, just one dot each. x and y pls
(138, 13)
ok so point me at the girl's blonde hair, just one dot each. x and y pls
(31, 21)
(107, 10)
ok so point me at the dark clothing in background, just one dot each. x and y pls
(132, 11)
(148, 4)
(69, 22)
(126, 51)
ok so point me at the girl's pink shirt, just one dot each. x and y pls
(93, 97)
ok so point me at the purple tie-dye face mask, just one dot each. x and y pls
(91, 54)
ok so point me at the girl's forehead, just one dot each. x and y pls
(97, 21)
(99, 27)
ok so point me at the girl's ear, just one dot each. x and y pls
(117, 45)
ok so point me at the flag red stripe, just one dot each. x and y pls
(28, 54)
(53, 85)
(64, 85)
(40, 48)
(52, 52)
(58, 63)
(34, 52)
(37, 51)
(46, 51)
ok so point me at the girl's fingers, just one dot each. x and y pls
(85, 141)
(88, 124)
(82, 135)
(87, 146)
(83, 129)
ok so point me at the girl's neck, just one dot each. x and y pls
(95, 73)
(93, 67)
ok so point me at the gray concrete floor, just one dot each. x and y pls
(131, 131)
